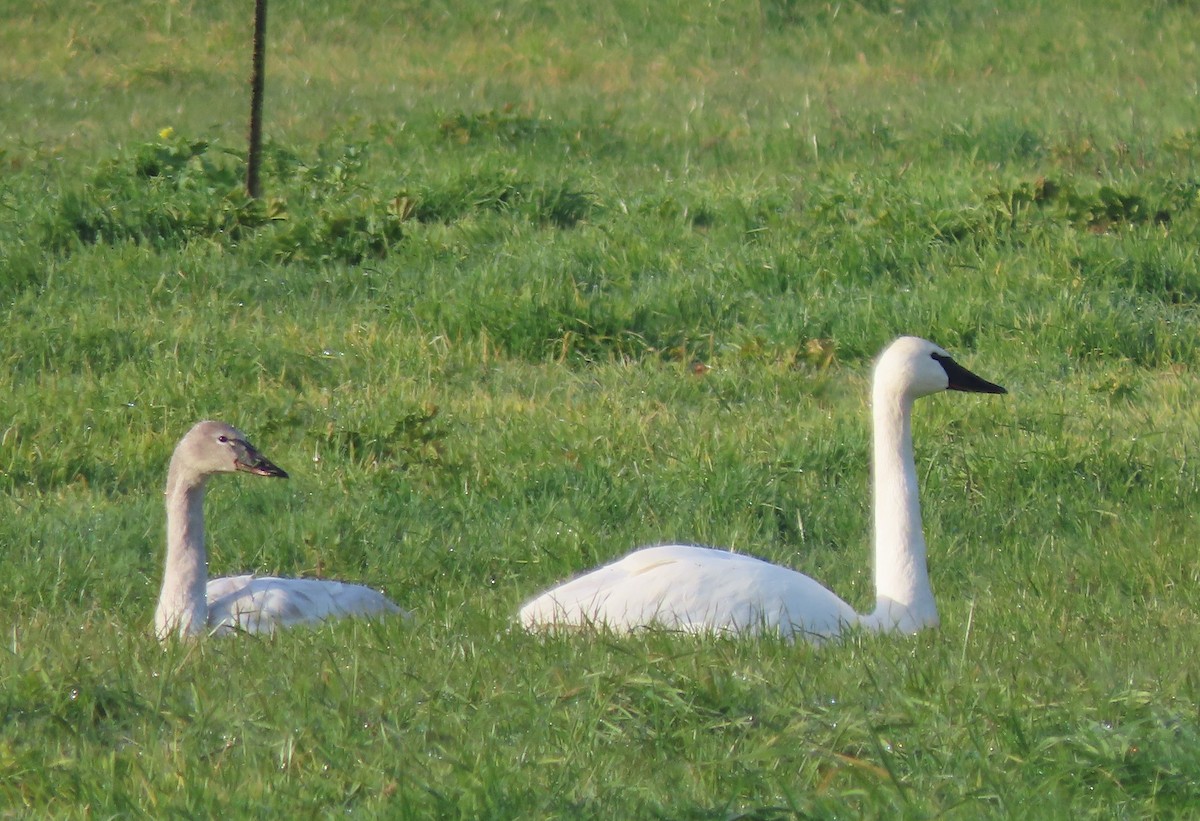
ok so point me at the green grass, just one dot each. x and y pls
(495, 241)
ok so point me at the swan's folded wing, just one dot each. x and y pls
(264, 604)
(697, 589)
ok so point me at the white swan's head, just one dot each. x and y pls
(215, 447)
(915, 367)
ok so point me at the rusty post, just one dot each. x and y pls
(253, 186)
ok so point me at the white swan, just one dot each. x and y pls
(189, 604)
(699, 589)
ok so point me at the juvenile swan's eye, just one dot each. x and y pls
(222, 438)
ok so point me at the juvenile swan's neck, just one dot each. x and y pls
(183, 604)
(904, 598)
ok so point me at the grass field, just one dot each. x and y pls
(532, 285)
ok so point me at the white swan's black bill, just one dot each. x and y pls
(962, 379)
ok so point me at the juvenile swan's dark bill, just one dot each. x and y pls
(962, 379)
(251, 461)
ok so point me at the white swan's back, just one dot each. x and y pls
(702, 589)
(693, 589)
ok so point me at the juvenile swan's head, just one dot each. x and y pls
(215, 447)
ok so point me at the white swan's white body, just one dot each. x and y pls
(701, 589)
(190, 604)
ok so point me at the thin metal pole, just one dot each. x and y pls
(253, 186)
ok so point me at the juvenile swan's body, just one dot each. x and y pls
(698, 589)
(189, 604)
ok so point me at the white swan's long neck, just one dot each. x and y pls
(183, 603)
(904, 598)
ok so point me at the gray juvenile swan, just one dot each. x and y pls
(697, 589)
(192, 605)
